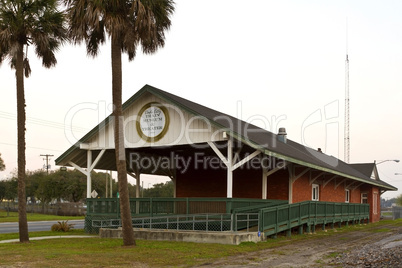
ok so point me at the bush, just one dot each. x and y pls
(63, 226)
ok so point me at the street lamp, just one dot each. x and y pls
(382, 161)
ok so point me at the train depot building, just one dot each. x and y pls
(221, 165)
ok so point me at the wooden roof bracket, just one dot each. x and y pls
(349, 185)
(358, 185)
(339, 183)
(312, 180)
(328, 181)
(296, 177)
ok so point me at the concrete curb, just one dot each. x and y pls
(227, 238)
(48, 237)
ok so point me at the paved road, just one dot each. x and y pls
(34, 226)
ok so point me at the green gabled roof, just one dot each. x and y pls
(257, 138)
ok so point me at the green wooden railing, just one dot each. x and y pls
(284, 217)
(274, 215)
(163, 206)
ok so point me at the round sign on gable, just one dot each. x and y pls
(153, 122)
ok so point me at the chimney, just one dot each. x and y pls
(319, 150)
(282, 134)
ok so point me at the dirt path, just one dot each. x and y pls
(318, 252)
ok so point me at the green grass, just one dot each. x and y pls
(332, 255)
(13, 217)
(43, 233)
(96, 252)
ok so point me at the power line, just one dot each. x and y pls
(31, 147)
(42, 122)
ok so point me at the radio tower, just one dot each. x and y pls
(347, 130)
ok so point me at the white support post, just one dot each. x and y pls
(291, 176)
(228, 161)
(90, 167)
(264, 183)
(174, 186)
(89, 180)
(137, 191)
(136, 176)
(137, 182)
(111, 185)
(106, 184)
(230, 172)
(173, 177)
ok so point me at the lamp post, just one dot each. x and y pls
(382, 161)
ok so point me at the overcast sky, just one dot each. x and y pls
(283, 61)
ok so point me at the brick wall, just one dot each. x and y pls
(373, 198)
(200, 182)
(331, 194)
(247, 183)
(278, 185)
(301, 189)
(355, 196)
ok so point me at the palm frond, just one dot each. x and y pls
(28, 22)
(134, 22)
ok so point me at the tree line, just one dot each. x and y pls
(70, 186)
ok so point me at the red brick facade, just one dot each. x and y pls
(247, 183)
(199, 182)
(278, 185)
(373, 198)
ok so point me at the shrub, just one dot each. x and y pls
(62, 226)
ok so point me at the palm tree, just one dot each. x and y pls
(128, 23)
(2, 165)
(24, 23)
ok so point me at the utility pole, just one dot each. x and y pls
(47, 161)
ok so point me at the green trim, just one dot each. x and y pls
(296, 161)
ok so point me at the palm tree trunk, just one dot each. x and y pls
(127, 229)
(22, 203)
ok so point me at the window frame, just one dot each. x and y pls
(315, 190)
(347, 196)
(362, 197)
